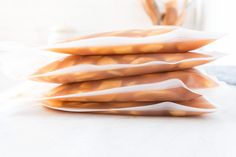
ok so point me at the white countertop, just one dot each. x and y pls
(32, 130)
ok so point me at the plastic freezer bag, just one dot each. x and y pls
(169, 86)
(159, 39)
(193, 107)
(87, 68)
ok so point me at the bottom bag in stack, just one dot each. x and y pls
(195, 107)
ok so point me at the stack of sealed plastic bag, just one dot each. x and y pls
(148, 72)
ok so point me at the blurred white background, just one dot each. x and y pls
(27, 20)
(33, 20)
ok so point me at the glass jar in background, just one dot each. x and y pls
(187, 13)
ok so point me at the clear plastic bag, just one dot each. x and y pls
(87, 68)
(193, 107)
(169, 86)
(159, 39)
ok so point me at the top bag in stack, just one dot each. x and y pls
(159, 39)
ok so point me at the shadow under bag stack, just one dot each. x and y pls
(148, 72)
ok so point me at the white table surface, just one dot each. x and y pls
(35, 131)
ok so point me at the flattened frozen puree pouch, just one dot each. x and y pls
(193, 107)
(158, 39)
(86, 68)
(169, 86)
